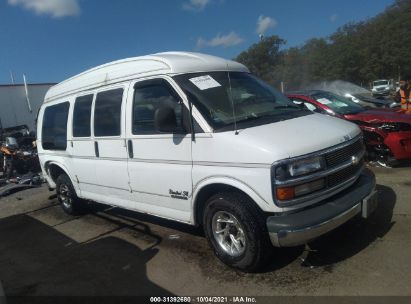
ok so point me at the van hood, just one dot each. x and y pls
(266, 144)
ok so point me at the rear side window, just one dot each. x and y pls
(107, 113)
(54, 130)
(148, 97)
(82, 116)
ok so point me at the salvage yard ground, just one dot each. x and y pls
(115, 252)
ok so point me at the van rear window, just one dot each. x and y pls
(54, 130)
(107, 113)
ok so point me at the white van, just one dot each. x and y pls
(382, 87)
(198, 139)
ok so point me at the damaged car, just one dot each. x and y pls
(387, 133)
(355, 93)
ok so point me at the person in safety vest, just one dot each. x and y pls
(404, 94)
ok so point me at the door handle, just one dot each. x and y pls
(96, 149)
(130, 148)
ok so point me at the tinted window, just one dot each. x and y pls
(107, 113)
(54, 131)
(82, 116)
(150, 96)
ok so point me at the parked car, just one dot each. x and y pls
(369, 101)
(198, 139)
(356, 93)
(382, 87)
(387, 133)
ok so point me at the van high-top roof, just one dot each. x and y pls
(170, 63)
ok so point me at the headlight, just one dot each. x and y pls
(305, 166)
(295, 169)
(395, 127)
(299, 167)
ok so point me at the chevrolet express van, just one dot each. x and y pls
(198, 139)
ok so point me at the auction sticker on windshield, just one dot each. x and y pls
(205, 82)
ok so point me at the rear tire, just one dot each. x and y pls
(236, 230)
(67, 196)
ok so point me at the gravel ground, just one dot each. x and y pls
(116, 252)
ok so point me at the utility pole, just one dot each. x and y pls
(12, 77)
(27, 93)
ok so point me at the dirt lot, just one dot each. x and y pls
(113, 252)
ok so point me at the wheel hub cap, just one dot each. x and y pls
(65, 195)
(228, 233)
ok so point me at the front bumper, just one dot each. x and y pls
(303, 226)
(381, 93)
(399, 144)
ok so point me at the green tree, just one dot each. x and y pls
(262, 57)
(358, 52)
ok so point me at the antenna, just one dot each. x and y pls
(232, 102)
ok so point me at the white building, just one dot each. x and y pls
(15, 109)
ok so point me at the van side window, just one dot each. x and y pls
(149, 96)
(82, 116)
(107, 113)
(54, 130)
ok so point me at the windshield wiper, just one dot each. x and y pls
(250, 118)
(287, 107)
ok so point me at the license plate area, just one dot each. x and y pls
(369, 204)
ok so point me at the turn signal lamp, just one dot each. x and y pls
(285, 193)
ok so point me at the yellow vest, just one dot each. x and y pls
(405, 100)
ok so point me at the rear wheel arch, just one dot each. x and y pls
(54, 170)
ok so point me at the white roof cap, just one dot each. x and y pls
(155, 64)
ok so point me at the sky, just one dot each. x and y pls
(51, 40)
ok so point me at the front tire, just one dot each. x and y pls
(236, 230)
(67, 196)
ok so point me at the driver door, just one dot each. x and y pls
(159, 164)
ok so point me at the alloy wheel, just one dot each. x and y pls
(228, 233)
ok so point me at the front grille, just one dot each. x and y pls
(343, 175)
(344, 154)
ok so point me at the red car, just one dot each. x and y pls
(387, 133)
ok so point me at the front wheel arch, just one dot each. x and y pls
(243, 227)
(203, 194)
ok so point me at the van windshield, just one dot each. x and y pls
(224, 98)
(380, 82)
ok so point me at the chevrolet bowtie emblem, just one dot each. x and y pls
(355, 160)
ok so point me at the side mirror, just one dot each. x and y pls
(165, 120)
